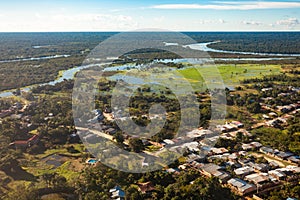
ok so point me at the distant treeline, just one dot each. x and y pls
(21, 44)
(262, 42)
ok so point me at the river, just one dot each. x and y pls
(69, 74)
(34, 59)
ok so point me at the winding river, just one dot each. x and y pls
(69, 74)
(204, 47)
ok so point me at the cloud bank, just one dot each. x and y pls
(246, 5)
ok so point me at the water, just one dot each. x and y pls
(69, 74)
(34, 59)
(92, 161)
(204, 47)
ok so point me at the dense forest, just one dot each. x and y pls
(26, 45)
(265, 42)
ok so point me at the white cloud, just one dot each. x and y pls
(256, 23)
(159, 19)
(222, 21)
(290, 22)
(208, 21)
(68, 22)
(246, 5)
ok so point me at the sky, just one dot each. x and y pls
(130, 15)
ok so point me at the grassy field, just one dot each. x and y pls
(199, 77)
(231, 74)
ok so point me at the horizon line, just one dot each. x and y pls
(135, 31)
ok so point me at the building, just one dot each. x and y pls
(198, 134)
(23, 144)
(283, 155)
(277, 174)
(259, 167)
(168, 142)
(243, 171)
(218, 150)
(252, 145)
(146, 188)
(294, 159)
(258, 179)
(266, 150)
(237, 124)
(195, 157)
(117, 193)
(212, 170)
(240, 186)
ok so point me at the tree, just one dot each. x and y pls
(136, 144)
(119, 137)
(132, 193)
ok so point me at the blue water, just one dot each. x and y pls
(92, 161)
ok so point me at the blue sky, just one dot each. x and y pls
(126, 15)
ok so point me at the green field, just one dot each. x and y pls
(199, 77)
(231, 74)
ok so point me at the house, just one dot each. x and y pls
(117, 193)
(256, 145)
(266, 89)
(237, 124)
(283, 155)
(273, 164)
(197, 134)
(257, 179)
(212, 170)
(244, 162)
(229, 127)
(266, 116)
(233, 156)
(242, 131)
(146, 188)
(273, 114)
(279, 175)
(261, 167)
(243, 171)
(233, 164)
(173, 171)
(23, 144)
(294, 169)
(168, 142)
(208, 169)
(266, 150)
(182, 167)
(191, 146)
(294, 159)
(195, 157)
(252, 145)
(247, 147)
(218, 150)
(240, 186)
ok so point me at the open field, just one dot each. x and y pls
(199, 76)
(231, 74)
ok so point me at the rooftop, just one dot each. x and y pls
(240, 184)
